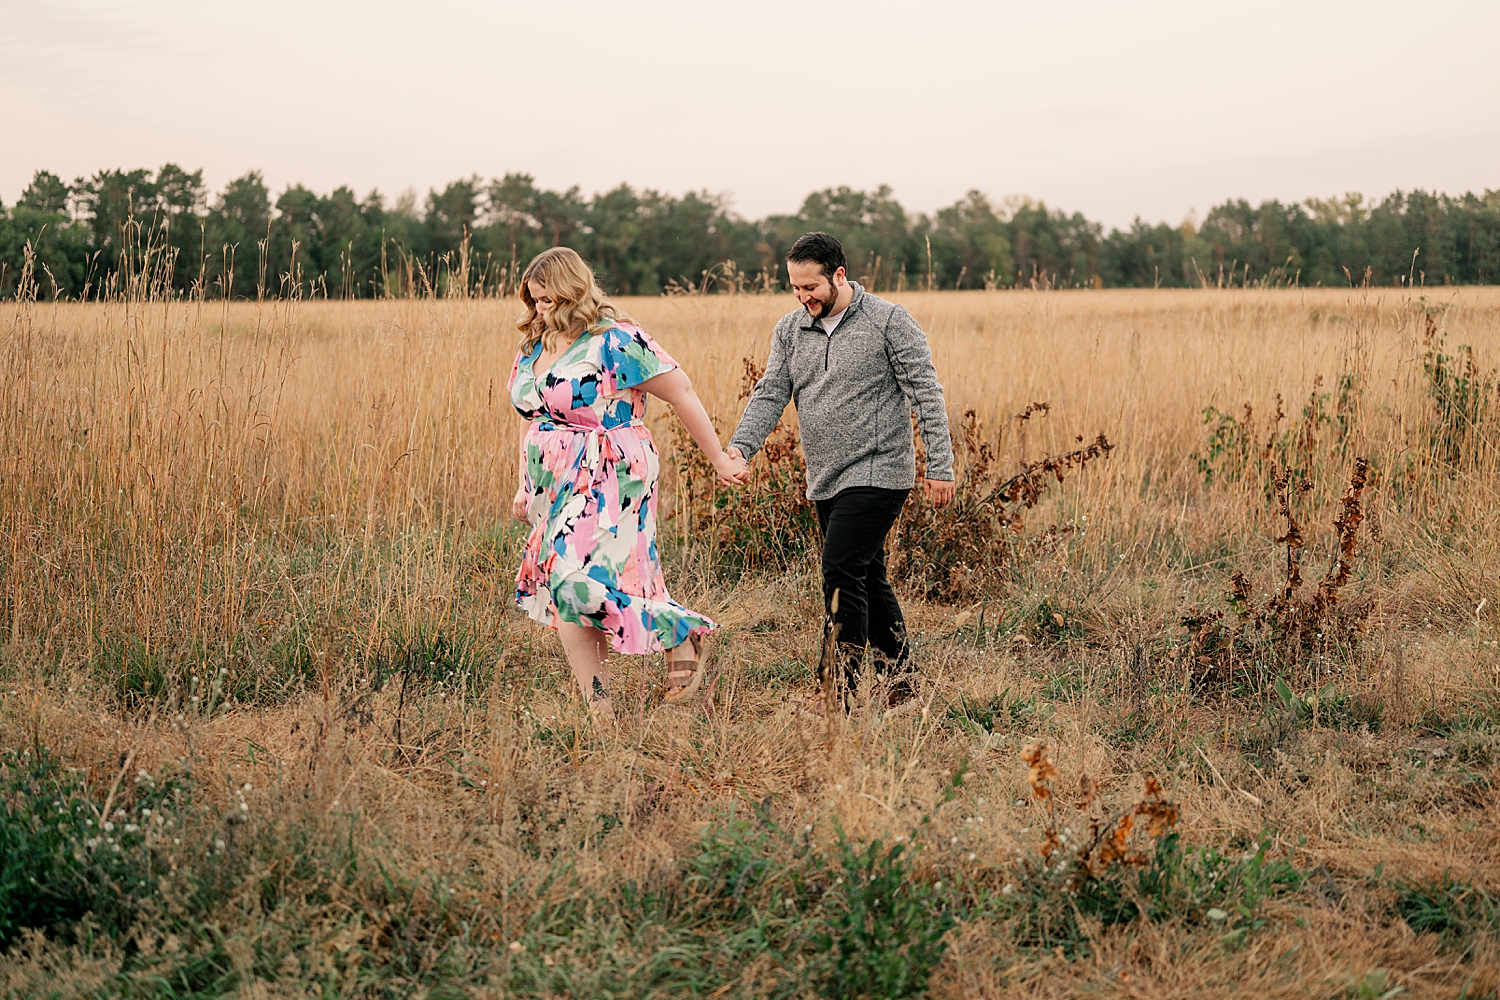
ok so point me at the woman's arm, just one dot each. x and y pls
(675, 388)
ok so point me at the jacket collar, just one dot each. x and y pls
(854, 303)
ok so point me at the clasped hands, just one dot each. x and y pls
(732, 468)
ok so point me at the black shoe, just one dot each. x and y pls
(902, 698)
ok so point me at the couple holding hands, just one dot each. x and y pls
(856, 366)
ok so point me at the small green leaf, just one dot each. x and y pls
(1216, 914)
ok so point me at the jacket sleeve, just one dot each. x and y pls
(911, 359)
(767, 402)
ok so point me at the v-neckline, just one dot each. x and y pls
(538, 376)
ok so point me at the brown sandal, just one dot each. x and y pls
(689, 687)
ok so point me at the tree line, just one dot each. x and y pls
(85, 238)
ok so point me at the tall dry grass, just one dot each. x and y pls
(266, 544)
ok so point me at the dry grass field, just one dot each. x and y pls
(271, 727)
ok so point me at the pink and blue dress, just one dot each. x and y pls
(591, 471)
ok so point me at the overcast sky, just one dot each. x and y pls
(1114, 109)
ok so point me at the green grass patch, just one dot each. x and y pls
(1001, 713)
(1455, 911)
(1048, 905)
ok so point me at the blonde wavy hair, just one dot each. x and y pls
(577, 300)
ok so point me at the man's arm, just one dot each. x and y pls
(767, 402)
(911, 359)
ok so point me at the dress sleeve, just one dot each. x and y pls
(630, 355)
(515, 369)
(514, 386)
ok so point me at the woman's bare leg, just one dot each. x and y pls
(587, 650)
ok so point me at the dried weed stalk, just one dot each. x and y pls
(1284, 618)
(950, 553)
(1108, 839)
(1286, 613)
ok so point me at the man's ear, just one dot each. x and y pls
(839, 273)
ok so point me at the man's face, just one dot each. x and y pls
(813, 288)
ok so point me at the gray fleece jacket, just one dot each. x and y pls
(855, 390)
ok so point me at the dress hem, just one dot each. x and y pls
(548, 616)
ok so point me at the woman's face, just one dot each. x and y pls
(539, 296)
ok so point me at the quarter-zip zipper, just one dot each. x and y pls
(817, 324)
(828, 345)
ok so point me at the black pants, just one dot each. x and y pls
(855, 522)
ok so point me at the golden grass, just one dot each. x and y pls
(276, 508)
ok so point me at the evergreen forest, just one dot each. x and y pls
(83, 238)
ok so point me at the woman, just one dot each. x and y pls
(588, 475)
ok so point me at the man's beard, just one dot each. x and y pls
(824, 307)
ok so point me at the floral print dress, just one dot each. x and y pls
(591, 471)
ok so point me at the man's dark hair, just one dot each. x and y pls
(820, 249)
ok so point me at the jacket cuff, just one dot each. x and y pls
(747, 450)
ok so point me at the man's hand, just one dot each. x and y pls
(939, 491)
(734, 470)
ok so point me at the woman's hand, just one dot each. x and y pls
(732, 468)
(520, 504)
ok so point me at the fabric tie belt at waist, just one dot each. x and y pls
(598, 447)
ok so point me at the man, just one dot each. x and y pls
(856, 366)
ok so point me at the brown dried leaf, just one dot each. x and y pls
(1051, 845)
(1113, 848)
(1042, 771)
(1160, 817)
(1087, 789)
